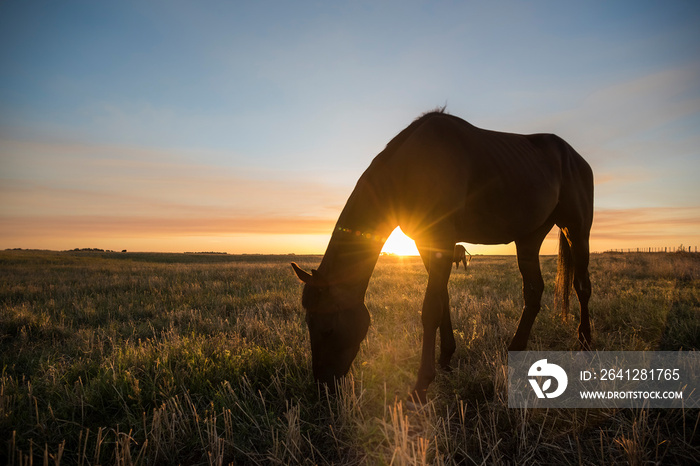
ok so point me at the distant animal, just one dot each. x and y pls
(460, 255)
(446, 181)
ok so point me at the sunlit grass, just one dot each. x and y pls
(167, 359)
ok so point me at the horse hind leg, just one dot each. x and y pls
(528, 253)
(580, 251)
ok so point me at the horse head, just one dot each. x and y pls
(337, 325)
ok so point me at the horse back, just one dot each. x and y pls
(489, 186)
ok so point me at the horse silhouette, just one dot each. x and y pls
(446, 181)
(460, 255)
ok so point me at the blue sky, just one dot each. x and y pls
(243, 126)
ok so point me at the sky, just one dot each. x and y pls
(242, 127)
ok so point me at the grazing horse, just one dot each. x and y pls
(445, 181)
(460, 255)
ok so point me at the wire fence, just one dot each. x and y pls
(680, 248)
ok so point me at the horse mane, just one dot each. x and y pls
(437, 110)
(400, 138)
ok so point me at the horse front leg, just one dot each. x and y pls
(434, 305)
(447, 338)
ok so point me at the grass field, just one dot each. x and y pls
(111, 358)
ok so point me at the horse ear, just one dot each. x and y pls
(304, 276)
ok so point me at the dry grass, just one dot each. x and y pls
(179, 359)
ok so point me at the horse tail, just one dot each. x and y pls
(565, 276)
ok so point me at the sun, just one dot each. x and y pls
(400, 244)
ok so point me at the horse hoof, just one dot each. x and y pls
(411, 406)
(417, 399)
(446, 367)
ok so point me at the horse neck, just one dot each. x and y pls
(356, 242)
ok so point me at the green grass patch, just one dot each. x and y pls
(132, 358)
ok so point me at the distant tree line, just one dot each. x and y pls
(207, 252)
(92, 250)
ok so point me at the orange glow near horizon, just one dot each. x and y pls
(400, 244)
(612, 229)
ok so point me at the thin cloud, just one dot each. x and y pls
(627, 108)
(656, 223)
(71, 179)
(94, 225)
(633, 175)
(54, 192)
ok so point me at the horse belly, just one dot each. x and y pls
(502, 217)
